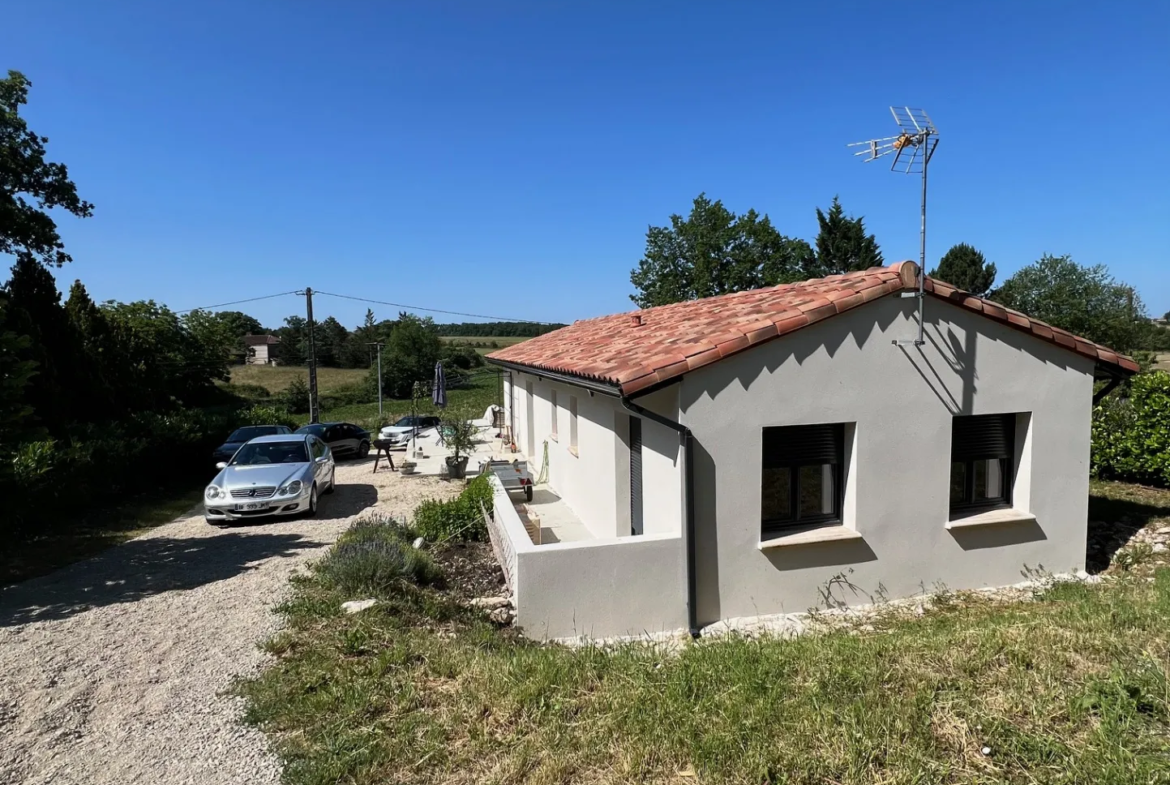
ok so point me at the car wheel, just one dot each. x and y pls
(332, 482)
(363, 449)
(312, 511)
(528, 493)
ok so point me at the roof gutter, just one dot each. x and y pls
(686, 440)
(592, 385)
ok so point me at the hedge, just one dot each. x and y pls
(1131, 432)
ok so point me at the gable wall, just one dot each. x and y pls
(901, 401)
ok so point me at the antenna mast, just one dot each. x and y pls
(912, 149)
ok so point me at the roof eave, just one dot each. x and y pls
(593, 385)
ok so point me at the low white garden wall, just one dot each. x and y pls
(623, 586)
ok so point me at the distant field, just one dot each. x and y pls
(277, 377)
(1163, 362)
(484, 344)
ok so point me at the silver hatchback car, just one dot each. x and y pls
(270, 476)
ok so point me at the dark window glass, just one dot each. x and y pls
(258, 453)
(982, 450)
(801, 476)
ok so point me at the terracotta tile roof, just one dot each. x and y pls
(633, 351)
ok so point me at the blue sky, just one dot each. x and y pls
(506, 158)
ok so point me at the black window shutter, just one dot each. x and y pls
(983, 436)
(798, 445)
(636, 526)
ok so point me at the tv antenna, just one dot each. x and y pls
(912, 149)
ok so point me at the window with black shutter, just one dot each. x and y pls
(801, 478)
(982, 453)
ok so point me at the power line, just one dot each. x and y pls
(430, 310)
(234, 302)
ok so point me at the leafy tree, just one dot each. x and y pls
(842, 244)
(35, 311)
(358, 350)
(332, 340)
(713, 251)
(30, 185)
(965, 267)
(293, 348)
(16, 413)
(496, 329)
(1086, 301)
(99, 358)
(240, 324)
(411, 352)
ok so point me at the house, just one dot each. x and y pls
(259, 348)
(769, 451)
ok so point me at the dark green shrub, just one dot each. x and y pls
(373, 557)
(460, 518)
(1131, 435)
(295, 397)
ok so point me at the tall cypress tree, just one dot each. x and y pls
(842, 244)
(965, 267)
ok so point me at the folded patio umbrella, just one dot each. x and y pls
(439, 394)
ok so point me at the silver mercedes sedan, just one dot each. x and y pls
(270, 476)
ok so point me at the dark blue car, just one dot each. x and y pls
(241, 436)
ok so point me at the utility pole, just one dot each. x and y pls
(379, 344)
(314, 412)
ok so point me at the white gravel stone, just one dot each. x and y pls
(114, 670)
(491, 603)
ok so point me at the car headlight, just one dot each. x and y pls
(292, 489)
(214, 492)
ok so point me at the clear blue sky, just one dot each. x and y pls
(507, 158)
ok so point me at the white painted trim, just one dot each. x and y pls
(992, 518)
(820, 534)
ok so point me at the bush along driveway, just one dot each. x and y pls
(1068, 685)
(116, 669)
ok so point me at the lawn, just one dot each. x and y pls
(1069, 687)
(484, 344)
(482, 390)
(275, 378)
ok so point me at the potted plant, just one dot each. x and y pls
(459, 434)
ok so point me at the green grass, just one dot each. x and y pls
(484, 343)
(277, 377)
(1069, 688)
(94, 533)
(481, 391)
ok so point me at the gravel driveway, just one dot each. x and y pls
(113, 670)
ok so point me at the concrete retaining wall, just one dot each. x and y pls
(603, 588)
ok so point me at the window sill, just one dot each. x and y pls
(573, 452)
(991, 518)
(808, 536)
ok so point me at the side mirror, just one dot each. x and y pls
(221, 465)
(322, 459)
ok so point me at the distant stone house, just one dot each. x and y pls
(741, 455)
(260, 351)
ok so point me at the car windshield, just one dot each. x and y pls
(316, 429)
(259, 453)
(251, 432)
(409, 422)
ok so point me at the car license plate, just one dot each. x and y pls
(252, 506)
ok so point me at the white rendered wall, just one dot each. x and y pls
(901, 400)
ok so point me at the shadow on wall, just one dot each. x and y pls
(831, 334)
(142, 568)
(957, 350)
(993, 536)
